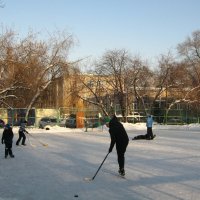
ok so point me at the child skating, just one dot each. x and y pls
(7, 139)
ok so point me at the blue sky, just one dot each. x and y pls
(143, 27)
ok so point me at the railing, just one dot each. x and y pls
(93, 117)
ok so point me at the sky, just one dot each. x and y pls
(145, 28)
(166, 168)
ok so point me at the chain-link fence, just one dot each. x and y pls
(90, 118)
(174, 116)
(66, 117)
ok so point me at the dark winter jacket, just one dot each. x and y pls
(7, 136)
(118, 135)
(22, 128)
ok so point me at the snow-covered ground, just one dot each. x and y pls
(166, 168)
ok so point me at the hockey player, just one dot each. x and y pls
(149, 135)
(119, 137)
(22, 132)
(7, 138)
(149, 125)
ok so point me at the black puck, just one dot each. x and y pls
(76, 195)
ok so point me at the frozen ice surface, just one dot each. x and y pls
(166, 168)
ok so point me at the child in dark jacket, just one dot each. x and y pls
(22, 131)
(7, 138)
(119, 137)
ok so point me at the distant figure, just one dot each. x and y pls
(119, 137)
(22, 132)
(149, 125)
(7, 138)
(149, 135)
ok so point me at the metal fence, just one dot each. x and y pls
(83, 117)
(90, 118)
(175, 116)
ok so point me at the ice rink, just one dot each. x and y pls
(166, 168)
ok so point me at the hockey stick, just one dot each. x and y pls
(43, 144)
(30, 141)
(91, 179)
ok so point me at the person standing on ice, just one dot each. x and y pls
(149, 125)
(22, 132)
(7, 138)
(119, 137)
(149, 135)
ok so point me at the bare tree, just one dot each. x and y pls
(31, 65)
(152, 86)
(189, 67)
(116, 79)
(52, 61)
(92, 90)
(115, 75)
(190, 48)
(114, 68)
(139, 77)
(9, 83)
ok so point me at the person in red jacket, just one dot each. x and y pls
(7, 138)
(119, 137)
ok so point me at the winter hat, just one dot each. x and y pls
(7, 125)
(107, 119)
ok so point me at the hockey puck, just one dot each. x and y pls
(76, 195)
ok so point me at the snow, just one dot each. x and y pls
(166, 168)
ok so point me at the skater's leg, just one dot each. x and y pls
(10, 151)
(6, 150)
(121, 158)
(19, 139)
(24, 139)
(149, 133)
